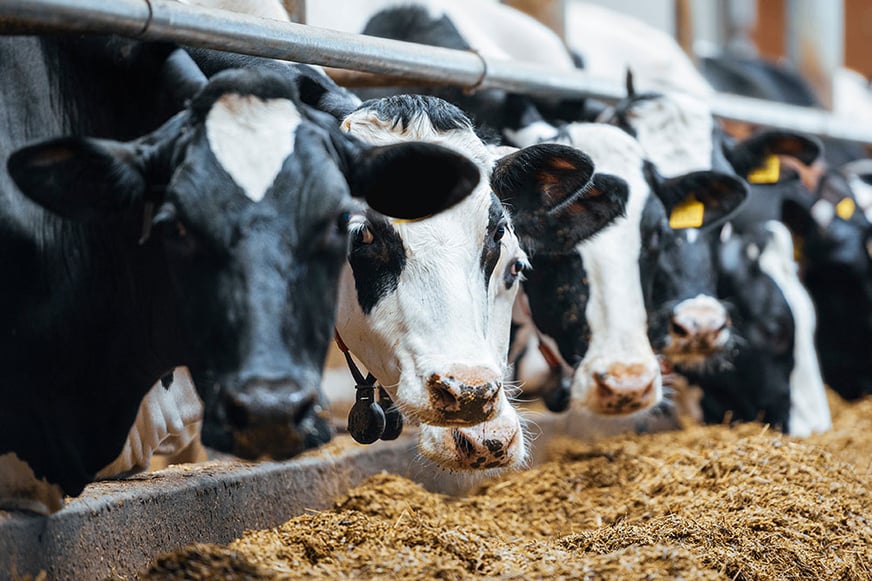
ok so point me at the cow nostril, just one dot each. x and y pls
(444, 398)
(602, 387)
(678, 329)
(305, 407)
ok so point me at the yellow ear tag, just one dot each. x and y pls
(767, 173)
(402, 221)
(845, 209)
(687, 214)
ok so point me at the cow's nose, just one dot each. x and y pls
(269, 402)
(464, 395)
(624, 389)
(700, 322)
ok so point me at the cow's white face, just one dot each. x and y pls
(426, 305)
(619, 373)
(590, 305)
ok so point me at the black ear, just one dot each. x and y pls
(411, 180)
(181, 78)
(701, 199)
(555, 200)
(750, 157)
(601, 203)
(798, 218)
(78, 178)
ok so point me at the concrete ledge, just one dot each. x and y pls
(118, 527)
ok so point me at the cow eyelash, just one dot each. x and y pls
(499, 233)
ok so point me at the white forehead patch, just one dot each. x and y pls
(251, 138)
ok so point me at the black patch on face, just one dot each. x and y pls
(558, 292)
(376, 266)
(653, 231)
(492, 243)
(401, 109)
(258, 83)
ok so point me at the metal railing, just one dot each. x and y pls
(168, 20)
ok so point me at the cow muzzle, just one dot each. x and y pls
(463, 396)
(698, 330)
(623, 389)
(275, 418)
(495, 444)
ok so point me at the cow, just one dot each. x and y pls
(836, 262)
(427, 306)
(214, 241)
(775, 376)
(680, 135)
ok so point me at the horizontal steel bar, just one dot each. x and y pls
(168, 20)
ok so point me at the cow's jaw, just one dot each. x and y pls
(492, 445)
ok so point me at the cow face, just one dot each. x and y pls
(688, 324)
(758, 385)
(427, 305)
(250, 198)
(591, 303)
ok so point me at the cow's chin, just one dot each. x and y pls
(494, 445)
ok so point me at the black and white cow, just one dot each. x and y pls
(679, 135)
(590, 304)
(215, 241)
(836, 261)
(427, 306)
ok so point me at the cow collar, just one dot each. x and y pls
(369, 420)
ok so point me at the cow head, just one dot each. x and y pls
(427, 305)
(241, 205)
(590, 303)
(687, 323)
(750, 279)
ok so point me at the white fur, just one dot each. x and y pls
(823, 213)
(494, 30)
(251, 138)
(809, 411)
(21, 490)
(440, 316)
(168, 420)
(531, 134)
(675, 132)
(272, 9)
(610, 42)
(616, 308)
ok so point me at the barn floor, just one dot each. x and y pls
(703, 503)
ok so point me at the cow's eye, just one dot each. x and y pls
(500, 232)
(342, 222)
(517, 268)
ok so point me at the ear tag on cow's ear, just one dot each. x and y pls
(688, 214)
(366, 420)
(845, 209)
(768, 173)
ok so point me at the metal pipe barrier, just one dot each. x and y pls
(171, 21)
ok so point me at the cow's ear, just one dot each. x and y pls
(755, 157)
(701, 199)
(78, 178)
(535, 180)
(554, 197)
(411, 180)
(562, 229)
